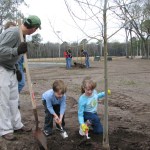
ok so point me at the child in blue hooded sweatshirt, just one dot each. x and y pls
(54, 101)
(87, 107)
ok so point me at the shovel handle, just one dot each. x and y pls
(33, 101)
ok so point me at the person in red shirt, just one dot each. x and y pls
(69, 58)
(66, 56)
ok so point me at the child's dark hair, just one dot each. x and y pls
(87, 80)
(59, 85)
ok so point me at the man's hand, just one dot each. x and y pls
(22, 48)
(84, 127)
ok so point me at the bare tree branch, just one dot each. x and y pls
(69, 10)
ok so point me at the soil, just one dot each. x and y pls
(129, 106)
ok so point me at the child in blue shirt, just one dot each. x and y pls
(87, 107)
(54, 101)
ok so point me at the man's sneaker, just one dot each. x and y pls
(47, 133)
(24, 129)
(9, 137)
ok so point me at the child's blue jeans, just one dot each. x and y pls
(48, 124)
(95, 121)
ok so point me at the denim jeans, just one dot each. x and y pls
(68, 63)
(21, 84)
(95, 121)
(87, 63)
(48, 124)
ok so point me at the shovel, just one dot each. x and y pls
(63, 132)
(87, 134)
(38, 134)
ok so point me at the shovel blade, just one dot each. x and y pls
(64, 134)
(38, 134)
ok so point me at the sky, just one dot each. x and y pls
(56, 12)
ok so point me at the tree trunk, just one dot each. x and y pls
(131, 47)
(127, 53)
(105, 134)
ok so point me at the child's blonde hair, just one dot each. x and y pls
(59, 85)
(87, 81)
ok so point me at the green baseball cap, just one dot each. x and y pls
(34, 21)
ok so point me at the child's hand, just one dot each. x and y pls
(56, 118)
(84, 127)
(60, 121)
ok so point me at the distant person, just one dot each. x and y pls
(86, 55)
(54, 101)
(69, 58)
(87, 107)
(11, 49)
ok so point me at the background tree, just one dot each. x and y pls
(134, 14)
(36, 38)
(9, 11)
(145, 27)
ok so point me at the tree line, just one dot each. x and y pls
(51, 50)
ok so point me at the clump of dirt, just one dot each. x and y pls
(79, 65)
(125, 139)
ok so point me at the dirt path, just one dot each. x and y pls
(129, 106)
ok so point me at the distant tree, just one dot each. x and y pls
(145, 26)
(116, 49)
(83, 43)
(135, 13)
(64, 46)
(36, 39)
(9, 11)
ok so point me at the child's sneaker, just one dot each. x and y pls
(47, 133)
